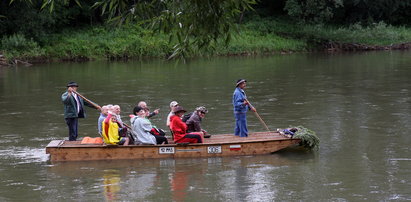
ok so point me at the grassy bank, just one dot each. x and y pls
(254, 37)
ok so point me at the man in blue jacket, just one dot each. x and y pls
(73, 109)
(241, 106)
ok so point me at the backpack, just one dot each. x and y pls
(157, 131)
(186, 117)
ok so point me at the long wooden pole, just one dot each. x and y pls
(94, 104)
(127, 125)
(259, 117)
(87, 100)
(262, 121)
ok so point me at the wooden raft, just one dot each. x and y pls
(216, 146)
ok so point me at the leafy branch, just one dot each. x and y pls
(193, 25)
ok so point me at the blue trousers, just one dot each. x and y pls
(240, 124)
(72, 124)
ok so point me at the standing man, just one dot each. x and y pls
(241, 106)
(73, 109)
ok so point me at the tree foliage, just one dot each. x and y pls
(27, 18)
(193, 25)
(373, 11)
(197, 25)
(317, 11)
(350, 11)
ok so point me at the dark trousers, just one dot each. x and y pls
(192, 138)
(72, 124)
(160, 139)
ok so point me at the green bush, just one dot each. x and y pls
(102, 42)
(17, 42)
(18, 46)
(313, 11)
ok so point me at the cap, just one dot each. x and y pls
(239, 81)
(173, 103)
(202, 109)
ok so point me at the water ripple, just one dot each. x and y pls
(400, 159)
(23, 155)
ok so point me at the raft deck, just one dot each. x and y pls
(215, 146)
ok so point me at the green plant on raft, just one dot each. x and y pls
(308, 138)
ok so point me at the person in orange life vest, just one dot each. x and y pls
(74, 109)
(111, 131)
(179, 129)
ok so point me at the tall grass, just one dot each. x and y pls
(17, 45)
(251, 41)
(375, 34)
(100, 42)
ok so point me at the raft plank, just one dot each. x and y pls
(55, 143)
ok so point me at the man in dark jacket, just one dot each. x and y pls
(194, 122)
(73, 109)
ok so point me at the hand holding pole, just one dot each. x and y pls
(87, 100)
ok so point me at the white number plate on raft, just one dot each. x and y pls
(214, 149)
(166, 150)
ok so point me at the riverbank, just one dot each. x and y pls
(257, 36)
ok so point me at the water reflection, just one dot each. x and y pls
(179, 185)
(111, 184)
(239, 178)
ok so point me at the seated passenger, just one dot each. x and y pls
(179, 129)
(194, 122)
(156, 132)
(103, 115)
(142, 126)
(173, 105)
(143, 105)
(111, 131)
(117, 111)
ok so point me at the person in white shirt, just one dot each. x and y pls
(173, 105)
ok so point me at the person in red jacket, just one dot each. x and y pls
(179, 129)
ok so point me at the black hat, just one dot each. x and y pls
(239, 81)
(72, 83)
(179, 109)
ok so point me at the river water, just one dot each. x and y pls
(358, 104)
